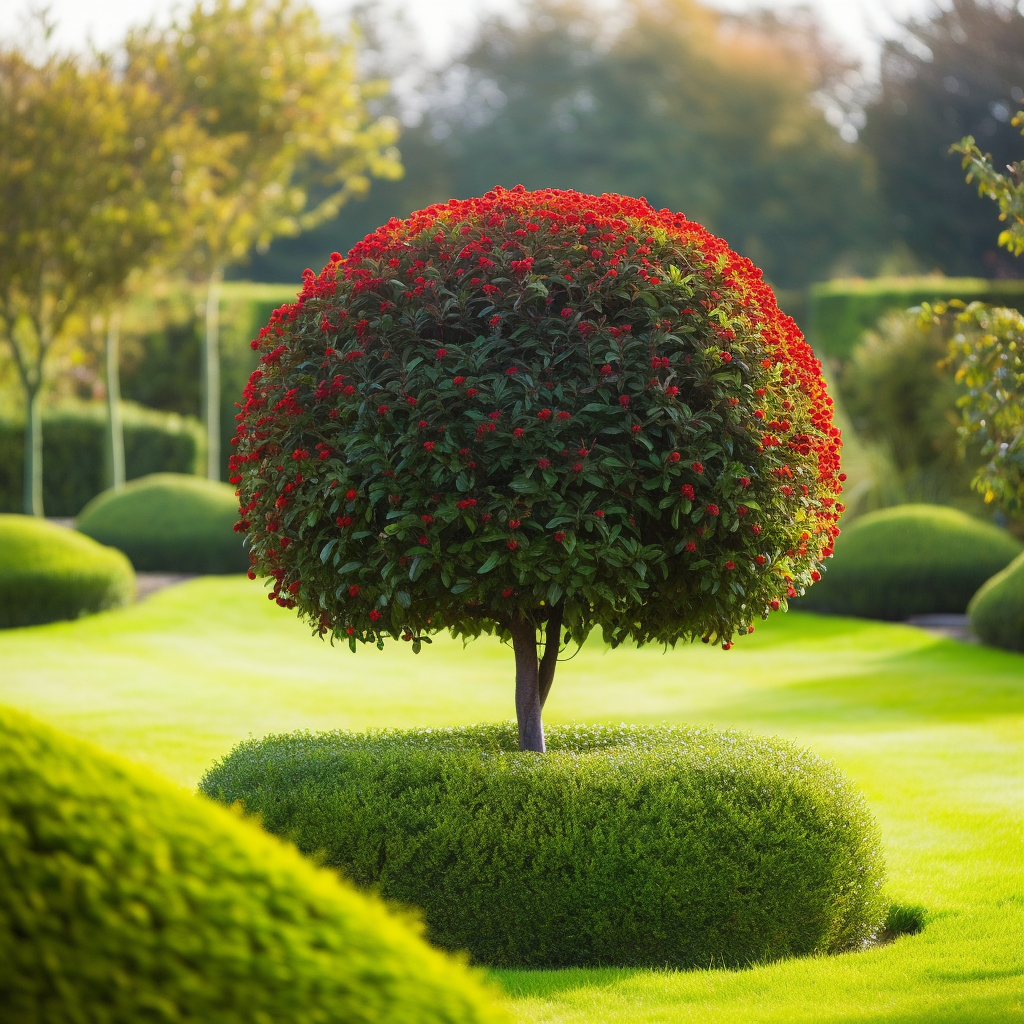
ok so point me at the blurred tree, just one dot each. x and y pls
(86, 197)
(717, 116)
(957, 72)
(281, 100)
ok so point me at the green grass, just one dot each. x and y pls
(932, 731)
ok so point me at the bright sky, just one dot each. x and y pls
(443, 23)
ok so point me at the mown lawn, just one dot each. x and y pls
(931, 730)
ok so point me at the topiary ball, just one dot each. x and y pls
(123, 899)
(911, 560)
(49, 573)
(169, 522)
(537, 399)
(997, 609)
(628, 846)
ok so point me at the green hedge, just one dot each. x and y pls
(124, 899)
(168, 522)
(624, 846)
(910, 560)
(49, 573)
(997, 609)
(74, 453)
(840, 311)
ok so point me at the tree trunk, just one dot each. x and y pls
(211, 374)
(534, 677)
(115, 425)
(33, 494)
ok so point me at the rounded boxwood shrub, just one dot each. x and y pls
(910, 560)
(627, 846)
(123, 899)
(49, 573)
(997, 609)
(169, 522)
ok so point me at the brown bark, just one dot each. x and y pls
(534, 677)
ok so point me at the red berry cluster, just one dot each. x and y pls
(530, 399)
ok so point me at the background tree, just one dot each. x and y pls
(719, 117)
(292, 130)
(958, 71)
(537, 411)
(86, 197)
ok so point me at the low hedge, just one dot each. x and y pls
(49, 573)
(169, 522)
(910, 560)
(124, 899)
(74, 453)
(997, 609)
(625, 846)
(839, 312)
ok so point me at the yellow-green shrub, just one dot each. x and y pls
(624, 846)
(123, 900)
(49, 573)
(169, 522)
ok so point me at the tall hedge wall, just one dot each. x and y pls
(839, 312)
(74, 453)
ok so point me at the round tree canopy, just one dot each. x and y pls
(537, 400)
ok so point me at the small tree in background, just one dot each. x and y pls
(537, 413)
(281, 102)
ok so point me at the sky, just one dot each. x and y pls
(443, 24)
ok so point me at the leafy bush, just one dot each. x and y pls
(997, 609)
(621, 846)
(49, 573)
(123, 899)
(840, 311)
(169, 522)
(74, 453)
(902, 399)
(910, 560)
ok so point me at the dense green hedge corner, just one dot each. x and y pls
(170, 522)
(625, 846)
(49, 573)
(124, 899)
(910, 560)
(997, 609)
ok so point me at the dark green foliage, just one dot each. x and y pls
(910, 560)
(125, 900)
(957, 70)
(901, 396)
(839, 312)
(997, 609)
(903, 919)
(168, 522)
(74, 453)
(49, 573)
(620, 846)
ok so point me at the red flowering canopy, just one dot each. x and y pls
(537, 409)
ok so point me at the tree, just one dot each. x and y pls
(281, 99)
(719, 117)
(959, 71)
(72, 229)
(536, 412)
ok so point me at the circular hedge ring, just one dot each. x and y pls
(623, 846)
(169, 522)
(123, 899)
(48, 573)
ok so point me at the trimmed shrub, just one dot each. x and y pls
(910, 560)
(168, 522)
(49, 573)
(627, 846)
(74, 453)
(997, 609)
(123, 899)
(839, 312)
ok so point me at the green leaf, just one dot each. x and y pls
(491, 562)
(325, 552)
(415, 569)
(404, 598)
